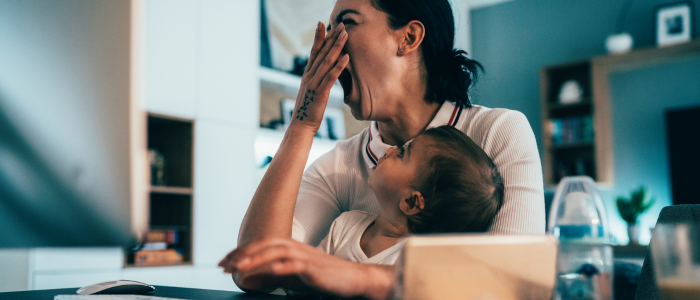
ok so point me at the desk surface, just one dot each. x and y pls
(161, 291)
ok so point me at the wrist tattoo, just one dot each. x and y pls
(308, 98)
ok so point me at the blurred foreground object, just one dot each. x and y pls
(676, 252)
(65, 121)
(585, 262)
(477, 267)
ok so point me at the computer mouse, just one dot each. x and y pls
(116, 287)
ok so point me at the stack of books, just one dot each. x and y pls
(160, 247)
(570, 130)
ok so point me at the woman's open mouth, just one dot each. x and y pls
(346, 82)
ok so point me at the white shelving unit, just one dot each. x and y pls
(289, 83)
(268, 141)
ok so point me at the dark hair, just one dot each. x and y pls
(462, 188)
(450, 72)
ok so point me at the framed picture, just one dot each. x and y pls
(674, 23)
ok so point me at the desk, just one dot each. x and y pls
(161, 291)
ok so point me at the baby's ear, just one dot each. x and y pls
(413, 204)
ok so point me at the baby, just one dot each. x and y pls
(441, 182)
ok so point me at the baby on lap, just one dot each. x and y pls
(440, 182)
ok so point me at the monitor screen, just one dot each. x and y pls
(64, 123)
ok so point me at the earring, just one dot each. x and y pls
(401, 50)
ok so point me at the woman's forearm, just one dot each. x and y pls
(271, 211)
(379, 282)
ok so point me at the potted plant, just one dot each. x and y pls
(630, 209)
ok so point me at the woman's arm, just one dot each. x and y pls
(270, 213)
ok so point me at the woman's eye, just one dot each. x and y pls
(401, 150)
(348, 21)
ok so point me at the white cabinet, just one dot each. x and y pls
(53, 268)
(181, 276)
(229, 50)
(171, 35)
(223, 188)
(76, 259)
(60, 280)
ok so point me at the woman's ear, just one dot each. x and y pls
(411, 37)
(413, 204)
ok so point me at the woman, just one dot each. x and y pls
(403, 74)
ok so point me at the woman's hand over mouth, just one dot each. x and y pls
(324, 67)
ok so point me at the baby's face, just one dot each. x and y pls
(396, 172)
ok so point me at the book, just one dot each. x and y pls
(157, 257)
(169, 236)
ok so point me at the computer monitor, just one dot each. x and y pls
(64, 123)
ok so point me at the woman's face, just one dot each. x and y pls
(372, 47)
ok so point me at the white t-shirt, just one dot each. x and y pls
(337, 181)
(343, 240)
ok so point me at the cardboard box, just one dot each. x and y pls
(478, 267)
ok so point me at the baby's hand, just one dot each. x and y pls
(324, 67)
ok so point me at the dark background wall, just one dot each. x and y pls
(515, 39)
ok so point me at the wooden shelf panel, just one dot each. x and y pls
(586, 102)
(171, 190)
(166, 227)
(569, 146)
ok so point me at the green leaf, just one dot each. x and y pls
(638, 202)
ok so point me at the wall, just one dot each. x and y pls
(515, 39)
(639, 101)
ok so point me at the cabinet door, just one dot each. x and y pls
(53, 268)
(171, 56)
(213, 278)
(229, 49)
(63, 280)
(223, 188)
(180, 276)
(76, 259)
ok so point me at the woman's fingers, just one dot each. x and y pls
(327, 45)
(289, 267)
(332, 57)
(242, 255)
(318, 44)
(273, 254)
(333, 75)
(229, 261)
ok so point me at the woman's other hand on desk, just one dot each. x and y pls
(324, 67)
(282, 262)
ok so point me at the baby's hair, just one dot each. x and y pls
(461, 186)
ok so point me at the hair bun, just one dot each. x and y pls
(456, 74)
